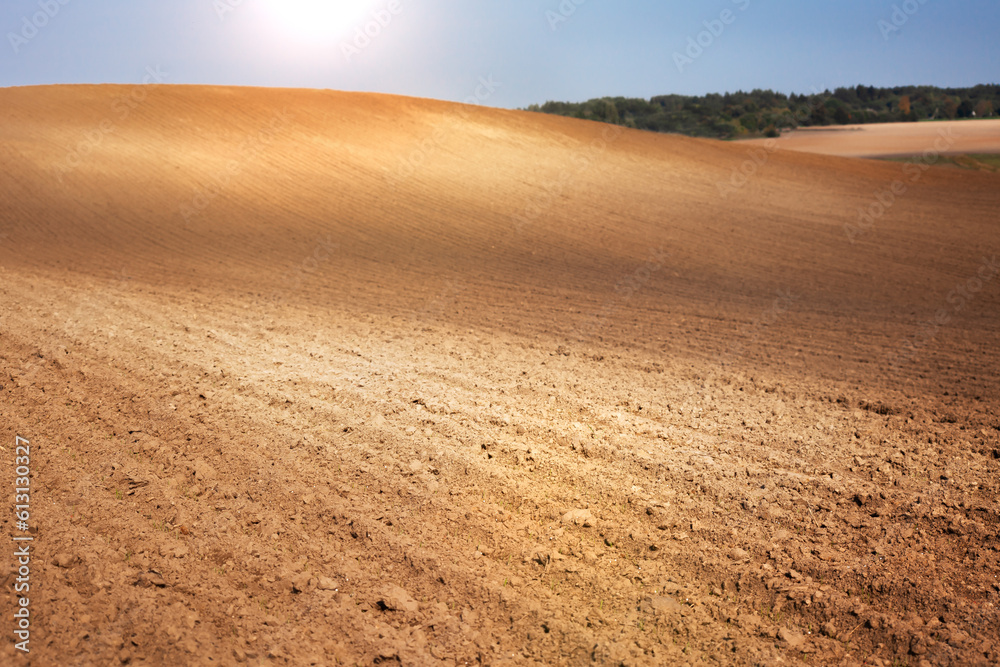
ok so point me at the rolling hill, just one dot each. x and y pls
(314, 374)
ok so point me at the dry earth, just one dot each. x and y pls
(952, 137)
(315, 377)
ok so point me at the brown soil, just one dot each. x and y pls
(315, 377)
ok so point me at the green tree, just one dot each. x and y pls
(950, 108)
(818, 115)
(740, 113)
(609, 112)
(749, 121)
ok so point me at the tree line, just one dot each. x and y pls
(767, 113)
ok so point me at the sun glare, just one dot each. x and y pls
(317, 19)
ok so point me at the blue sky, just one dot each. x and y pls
(531, 50)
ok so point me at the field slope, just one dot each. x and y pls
(312, 375)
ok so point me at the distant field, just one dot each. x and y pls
(958, 137)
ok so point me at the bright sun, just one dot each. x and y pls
(318, 19)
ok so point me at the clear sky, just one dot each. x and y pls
(531, 50)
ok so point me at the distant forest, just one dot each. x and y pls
(767, 113)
